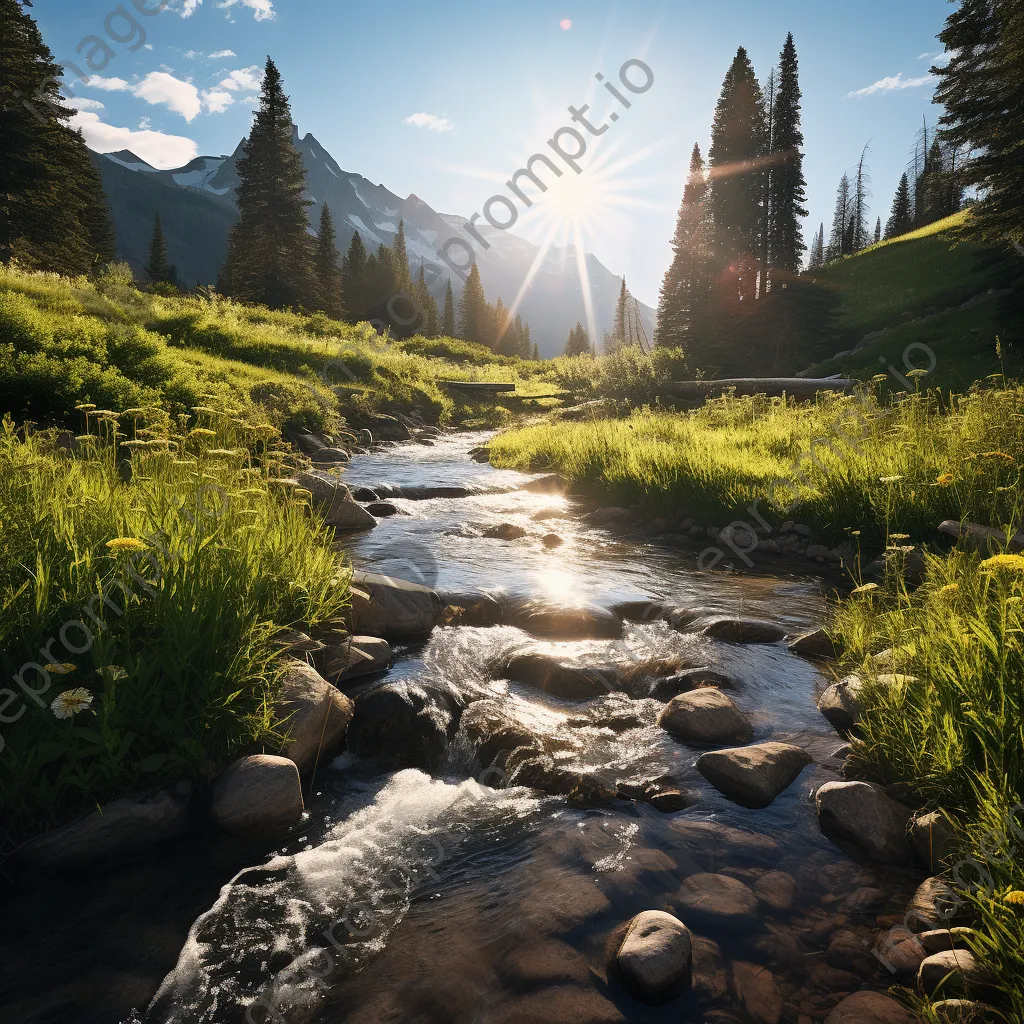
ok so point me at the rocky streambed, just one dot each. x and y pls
(593, 792)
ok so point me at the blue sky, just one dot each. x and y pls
(448, 100)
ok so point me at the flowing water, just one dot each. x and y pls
(423, 896)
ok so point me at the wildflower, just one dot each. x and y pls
(1011, 563)
(917, 372)
(202, 432)
(865, 588)
(948, 590)
(879, 378)
(944, 479)
(85, 407)
(1014, 898)
(71, 702)
(889, 479)
(64, 669)
(899, 536)
(223, 452)
(998, 455)
(119, 544)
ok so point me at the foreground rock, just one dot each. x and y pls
(259, 793)
(332, 498)
(754, 776)
(559, 676)
(982, 538)
(121, 828)
(934, 905)
(743, 631)
(955, 972)
(933, 839)
(705, 716)
(862, 813)
(758, 991)
(408, 723)
(561, 622)
(385, 606)
(313, 713)
(841, 704)
(815, 644)
(688, 680)
(717, 899)
(870, 1008)
(655, 960)
(353, 657)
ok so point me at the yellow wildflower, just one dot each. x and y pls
(899, 536)
(865, 588)
(889, 479)
(944, 479)
(202, 432)
(1011, 563)
(64, 669)
(85, 407)
(948, 590)
(119, 544)
(71, 702)
(1015, 898)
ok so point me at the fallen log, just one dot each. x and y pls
(797, 387)
(480, 389)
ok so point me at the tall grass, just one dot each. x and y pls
(159, 597)
(841, 464)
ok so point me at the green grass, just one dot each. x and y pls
(169, 629)
(841, 464)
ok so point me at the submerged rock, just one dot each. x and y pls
(655, 959)
(505, 531)
(389, 607)
(870, 1008)
(565, 622)
(758, 991)
(712, 844)
(258, 793)
(862, 813)
(717, 899)
(755, 775)
(705, 716)
(688, 680)
(743, 631)
(313, 714)
(559, 676)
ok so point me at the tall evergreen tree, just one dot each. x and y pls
(53, 213)
(840, 240)
(448, 317)
(353, 279)
(403, 277)
(982, 91)
(878, 230)
(861, 196)
(269, 253)
(535, 355)
(473, 313)
(579, 341)
(788, 188)
(901, 220)
(158, 269)
(816, 259)
(737, 174)
(326, 267)
(684, 290)
(427, 306)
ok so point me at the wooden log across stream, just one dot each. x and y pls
(801, 388)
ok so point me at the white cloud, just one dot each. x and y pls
(189, 8)
(83, 103)
(216, 101)
(107, 84)
(251, 101)
(431, 121)
(892, 84)
(191, 54)
(263, 10)
(247, 79)
(156, 148)
(181, 97)
(221, 54)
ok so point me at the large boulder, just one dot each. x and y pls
(385, 606)
(353, 657)
(705, 716)
(688, 679)
(655, 960)
(742, 631)
(862, 813)
(408, 723)
(313, 714)
(561, 677)
(259, 793)
(870, 1008)
(754, 776)
(333, 500)
(954, 972)
(565, 622)
(717, 900)
(121, 828)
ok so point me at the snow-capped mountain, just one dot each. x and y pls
(196, 203)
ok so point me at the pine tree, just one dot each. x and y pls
(816, 258)
(473, 312)
(535, 356)
(840, 240)
(353, 279)
(326, 260)
(858, 235)
(579, 341)
(427, 305)
(737, 175)
(403, 278)
(620, 323)
(982, 91)
(788, 190)
(901, 220)
(158, 268)
(448, 318)
(684, 290)
(269, 253)
(53, 213)
(878, 230)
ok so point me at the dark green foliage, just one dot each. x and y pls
(817, 254)
(353, 284)
(326, 259)
(787, 190)
(427, 306)
(579, 341)
(269, 251)
(448, 319)
(840, 242)
(53, 214)
(982, 90)
(535, 355)
(158, 269)
(473, 309)
(901, 220)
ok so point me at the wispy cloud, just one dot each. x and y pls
(893, 84)
(244, 80)
(83, 103)
(158, 87)
(189, 8)
(221, 54)
(430, 121)
(263, 10)
(108, 84)
(940, 58)
(156, 148)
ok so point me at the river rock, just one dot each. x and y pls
(710, 976)
(861, 812)
(551, 541)
(558, 676)
(981, 538)
(681, 618)
(933, 839)
(332, 498)
(313, 714)
(815, 644)
(758, 992)
(644, 610)
(755, 775)
(655, 959)
(963, 1011)
(385, 606)
(383, 427)
(258, 793)
(776, 889)
(717, 899)
(743, 631)
(353, 657)
(705, 716)
(711, 844)
(552, 483)
(384, 509)
(841, 704)
(900, 951)
(934, 905)
(329, 456)
(409, 723)
(688, 680)
(121, 828)
(494, 732)
(941, 939)
(563, 622)
(505, 531)
(364, 494)
(870, 1008)
(957, 971)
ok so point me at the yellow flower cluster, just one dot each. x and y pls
(1006, 563)
(119, 544)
